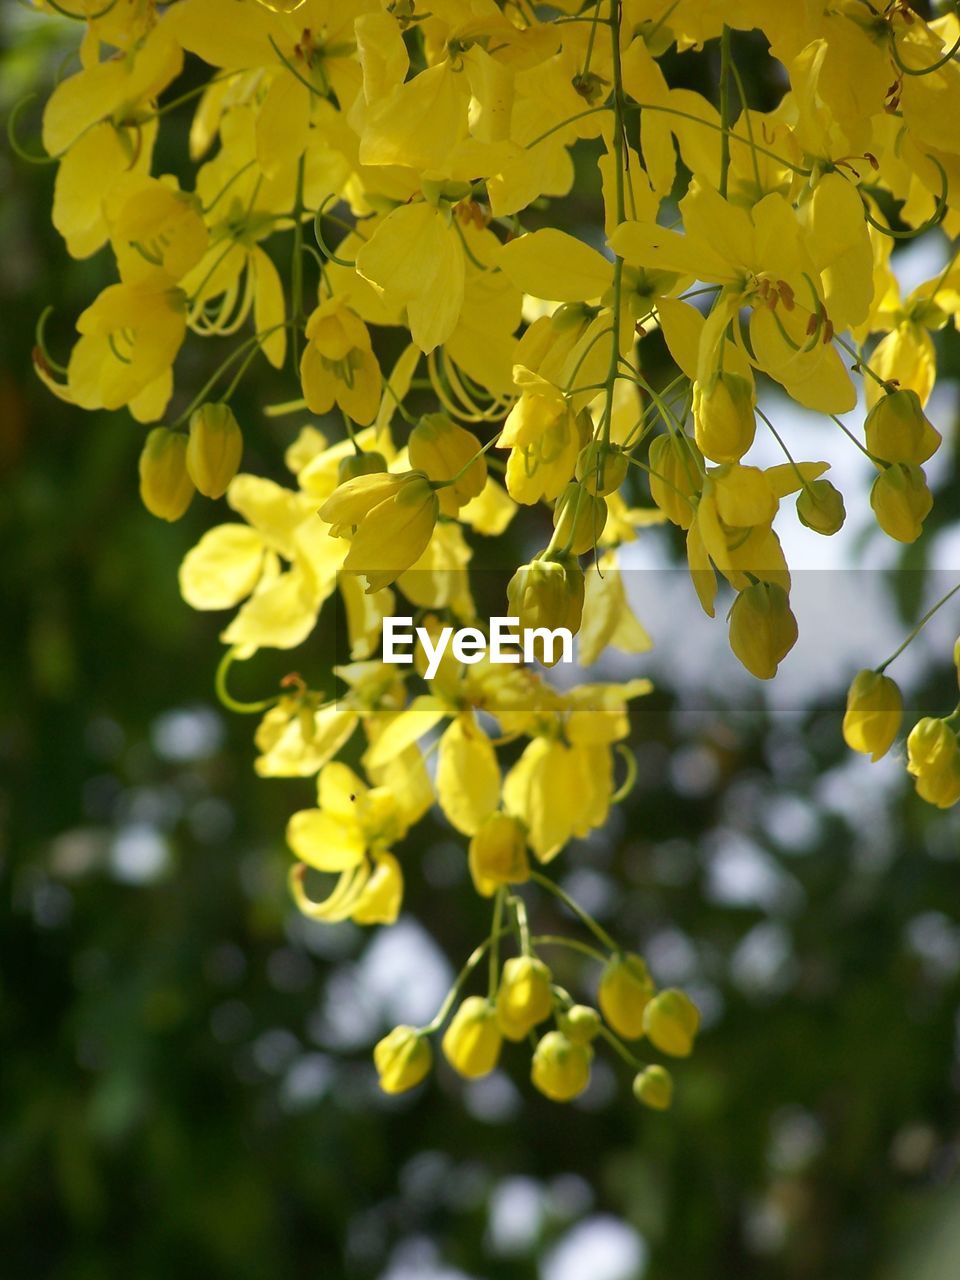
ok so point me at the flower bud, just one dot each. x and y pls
(820, 507)
(676, 477)
(654, 1088)
(873, 715)
(723, 416)
(560, 1067)
(580, 1023)
(402, 1058)
(549, 594)
(763, 629)
(165, 484)
(360, 464)
(933, 758)
(625, 989)
(442, 450)
(525, 996)
(897, 429)
(214, 449)
(498, 854)
(472, 1041)
(579, 518)
(901, 501)
(601, 468)
(671, 1020)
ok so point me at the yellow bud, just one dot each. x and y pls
(625, 990)
(580, 1023)
(442, 450)
(402, 1058)
(654, 1088)
(901, 501)
(601, 467)
(354, 498)
(820, 507)
(560, 1067)
(723, 416)
(547, 593)
(873, 715)
(671, 1020)
(763, 629)
(214, 449)
(933, 757)
(579, 518)
(360, 464)
(525, 996)
(676, 477)
(165, 484)
(498, 854)
(897, 429)
(472, 1041)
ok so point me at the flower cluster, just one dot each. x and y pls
(752, 247)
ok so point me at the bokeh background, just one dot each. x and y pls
(185, 1083)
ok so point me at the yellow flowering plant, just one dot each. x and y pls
(466, 359)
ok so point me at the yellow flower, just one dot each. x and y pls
(601, 468)
(338, 365)
(901, 501)
(654, 1088)
(544, 439)
(547, 593)
(155, 228)
(471, 1043)
(763, 629)
(625, 990)
(165, 484)
(403, 1058)
(445, 451)
(395, 516)
(525, 996)
(933, 758)
(873, 715)
(129, 338)
(897, 429)
(671, 1020)
(498, 854)
(676, 477)
(820, 507)
(579, 1023)
(579, 518)
(561, 1067)
(214, 449)
(723, 416)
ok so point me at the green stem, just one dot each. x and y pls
(296, 288)
(495, 931)
(572, 944)
(618, 165)
(584, 917)
(227, 699)
(725, 63)
(918, 628)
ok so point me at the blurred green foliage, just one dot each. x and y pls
(177, 1098)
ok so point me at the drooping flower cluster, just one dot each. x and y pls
(427, 140)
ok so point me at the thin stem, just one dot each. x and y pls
(918, 628)
(850, 436)
(572, 944)
(495, 931)
(725, 63)
(596, 929)
(227, 699)
(472, 961)
(618, 161)
(296, 288)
